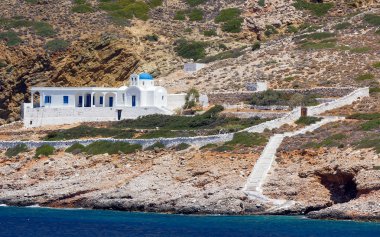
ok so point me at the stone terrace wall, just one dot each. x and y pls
(239, 96)
(168, 142)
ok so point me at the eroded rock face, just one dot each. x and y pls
(91, 62)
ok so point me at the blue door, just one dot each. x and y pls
(88, 101)
(111, 101)
(80, 101)
(133, 101)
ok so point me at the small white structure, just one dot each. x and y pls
(66, 105)
(257, 86)
(193, 67)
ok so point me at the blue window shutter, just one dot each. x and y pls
(101, 100)
(47, 99)
(65, 99)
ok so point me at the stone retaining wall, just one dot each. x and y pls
(262, 115)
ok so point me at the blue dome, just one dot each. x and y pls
(145, 76)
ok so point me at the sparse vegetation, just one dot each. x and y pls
(318, 9)
(44, 29)
(231, 20)
(261, 3)
(292, 29)
(194, 3)
(307, 120)
(103, 147)
(195, 15)
(152, 38)
(270, 30)
(256, 46)
(364, 77)
(332, 141)
(14, 151)
(369, 143)
(76, 148)
(180, 15)
(191, 99)
(209, 33)
(376, 65)
(372, 19)
(191, 49)
(83, 131)
(360, 50)
(182, 146)
(44, 150)
(157, 145)
(342, 25)
(82, 6)
(208, 146)
(233, 53)
(247, 139)
(56, 45)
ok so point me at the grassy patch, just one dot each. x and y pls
(374, 90)
(233, 53)
(11, 38)
(83, 131)
(247, 139)
(307, 120)
(372, 19)
(191, 49)
(231, 20)
(14, 151)
(76, 148)
(56, 45)
(103, 147)
(272, 97)
(292, 29)
(3, 63)
(360, 116)
(364, 77)
(157, 145)
(44, 29)
(370, 125)
(82, 8)
(318, 9)
(182, 146)
(44, 150)
(224, 148)
(180, 15)
(318, 35)
(195, 15)
(166, 133)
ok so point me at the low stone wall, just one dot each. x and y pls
(168, 142)
(262, 115)
(237, 97)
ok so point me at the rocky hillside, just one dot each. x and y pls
(91, 42)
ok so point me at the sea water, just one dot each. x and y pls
(42, 222)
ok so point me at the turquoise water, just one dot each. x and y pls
(53, 222)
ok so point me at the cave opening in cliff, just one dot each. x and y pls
(342, 186)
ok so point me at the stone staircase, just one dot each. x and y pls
(253, 186)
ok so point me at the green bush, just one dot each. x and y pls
(209, 33)
(342, 25)
(195, 15)
(364, 77)
(224, 148)
(292, 29)
(307, 120)
(75, 148)
(180, 16)
(261, 3)
(56, 45)
(190, 49)
(154, 146)
(247, 139)
(11, 38)
(82, 8)
(102, 147)
(376, 65)
(360, 50)
(233, 53)
(182, 146)
(44, 150)
(256, 46)
(123, 10)
(231, 20)
(87, 131)
(3, 63)
(374, 90)
(194, 3)
(369, 143)
(14, 151)
(318, 9)
(370, 125)
(372, 19)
